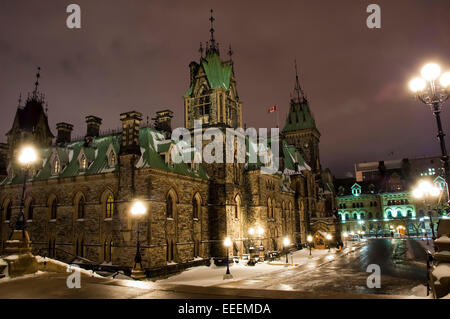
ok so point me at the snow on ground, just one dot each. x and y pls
(441, 271)
(420, 291)
(443, 239)
(208, 276)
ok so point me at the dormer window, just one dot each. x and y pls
(83, 162)
(112, 159)
(56, 166)
(356, 190)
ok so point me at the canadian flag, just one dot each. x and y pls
(272, 109)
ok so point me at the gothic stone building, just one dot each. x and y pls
(79, 193)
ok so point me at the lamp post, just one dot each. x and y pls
(27, 157)
(328, 242)
(310, 239)
(434, 93)
(252, 261)
(227, 243)
(286, 243)
(261, 247)
(425, 190)
(137, 210)
(425, 233)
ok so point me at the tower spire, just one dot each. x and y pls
(20, 100)
(213, 46)
(230, 52)
(36, 84)
(298, 89)
(201, 50)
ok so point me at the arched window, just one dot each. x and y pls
(269, 208)
(56, 166)
(370, 215)
(169, 207)
(81, 208)
(54, 209)
(389, 214)
(421, 213)
(8, 211)
(375, 204)
(361, 215)
(196, 206)
(83, 162)
(347, 216)
(399, 213)
(409, 213)
(30, 211)
(355, 216)
(237, 208)
(110, 206)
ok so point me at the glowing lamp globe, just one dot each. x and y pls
(286, 241)
(431, 71)
(309, 238)
(345, 235)
(251, 231)
(260, 231)
(417, 85)
(425, 186)
(417, 193)
(27, 155)
(138, 208)
(445, 79)
(434, 191)
(227, 242)
(328, 237)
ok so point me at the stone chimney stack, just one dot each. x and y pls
(163, 122)
(130, 133)
(93, 126)
(64, 133)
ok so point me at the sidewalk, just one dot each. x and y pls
(204, 276)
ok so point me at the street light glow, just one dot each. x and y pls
(309, 238)
(260, 231)
(417, 85)
(286, 241)
(227, 242)
(417, 193)
(328, 237)
(138, 208)
(251, 231)
(27, 155)
(445, 79)
(431, 71)
(345, 235)
(435, 191)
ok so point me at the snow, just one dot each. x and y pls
(446, 297)
(443, 239)
(207, 276)
(441, 271)
(419, 291)
(89, 273)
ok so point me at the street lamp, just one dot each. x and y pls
(434, 93)
(227, 243)
(425, 190)
(310, 239)
(286, 243)
(328, 241)
(137, 210)
(252, 262)
(26, 158)
(425, 234)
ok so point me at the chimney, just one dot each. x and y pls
(93, 126)
(64, 133)
(130, 133)
(163, 122)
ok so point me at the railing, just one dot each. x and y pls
(429, 264)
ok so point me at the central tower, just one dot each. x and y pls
(212, 96)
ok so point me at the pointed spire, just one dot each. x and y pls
(36, 84)
(20, 100)
(230, 52)
(297, 89)
(201, 50)
(212, 46)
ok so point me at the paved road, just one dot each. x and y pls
(342, 277)
(401, 270)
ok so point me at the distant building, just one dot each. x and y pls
(379, 201)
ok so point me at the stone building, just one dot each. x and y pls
(380, 201)
(79, 194)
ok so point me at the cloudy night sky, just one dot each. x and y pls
(134, 55)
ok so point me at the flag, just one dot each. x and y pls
(272, 109)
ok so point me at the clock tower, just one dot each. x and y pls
(300, 128)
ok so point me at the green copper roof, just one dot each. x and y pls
(299, 117)
(217, 73)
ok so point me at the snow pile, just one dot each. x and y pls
(443, 239)
(89, 273)
(419, 291)
(441, 271)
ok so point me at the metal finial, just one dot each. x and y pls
(212, 26)
(20, 99)
(148, 123)
(46, 108)
(230, 52)
(298, 88)
(38, 75)
(201, 50)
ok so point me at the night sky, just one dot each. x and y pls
(134, 55)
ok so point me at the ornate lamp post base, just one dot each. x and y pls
(138, 272)
(227, 276)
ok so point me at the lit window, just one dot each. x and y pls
(83, 162)
(56, 166)
(109, 206)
